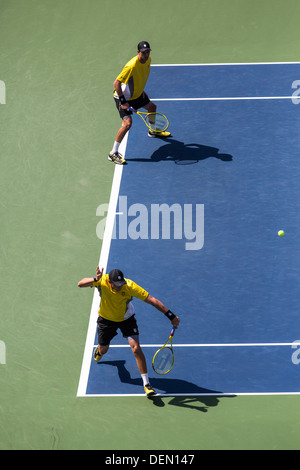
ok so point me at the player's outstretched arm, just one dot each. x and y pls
(162, 308)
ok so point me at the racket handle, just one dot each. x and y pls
(172, 332)
(132, 109)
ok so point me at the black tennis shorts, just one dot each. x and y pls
(107, 329)
(140, 102)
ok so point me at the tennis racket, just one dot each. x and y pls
(163, 360)
(157, 122)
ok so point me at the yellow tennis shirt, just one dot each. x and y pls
(134, 77)
(116, 305)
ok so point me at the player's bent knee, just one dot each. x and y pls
(127, 123)
(136, 349)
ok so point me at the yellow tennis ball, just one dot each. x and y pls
(281, 233)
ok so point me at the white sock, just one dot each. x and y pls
(115, 147)
(145, 379)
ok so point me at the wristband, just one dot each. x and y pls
(122, 99)
(170, 315)
(95, 280)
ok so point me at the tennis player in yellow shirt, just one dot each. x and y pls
(129, 91)
(117, 312)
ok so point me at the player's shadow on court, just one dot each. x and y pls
(189, 392)
(184, 154)
(199, 403)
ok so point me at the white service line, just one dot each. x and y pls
(228, 98)
(223, 63)
(211, 345)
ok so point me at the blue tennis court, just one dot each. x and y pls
(195, 219)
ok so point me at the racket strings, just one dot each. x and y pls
(157, 122)
(163, 361)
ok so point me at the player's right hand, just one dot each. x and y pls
(99, 273)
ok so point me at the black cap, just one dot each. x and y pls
(144, 46)
(116, 276)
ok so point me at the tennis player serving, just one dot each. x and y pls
(117, 312)
(129, 92)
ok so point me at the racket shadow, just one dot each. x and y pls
(184, 154)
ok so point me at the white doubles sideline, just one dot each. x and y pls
(114, 195)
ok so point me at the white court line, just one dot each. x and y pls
(224, 63)
(114, 195)
(228, 98)
(214, 394)
(212, 345)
